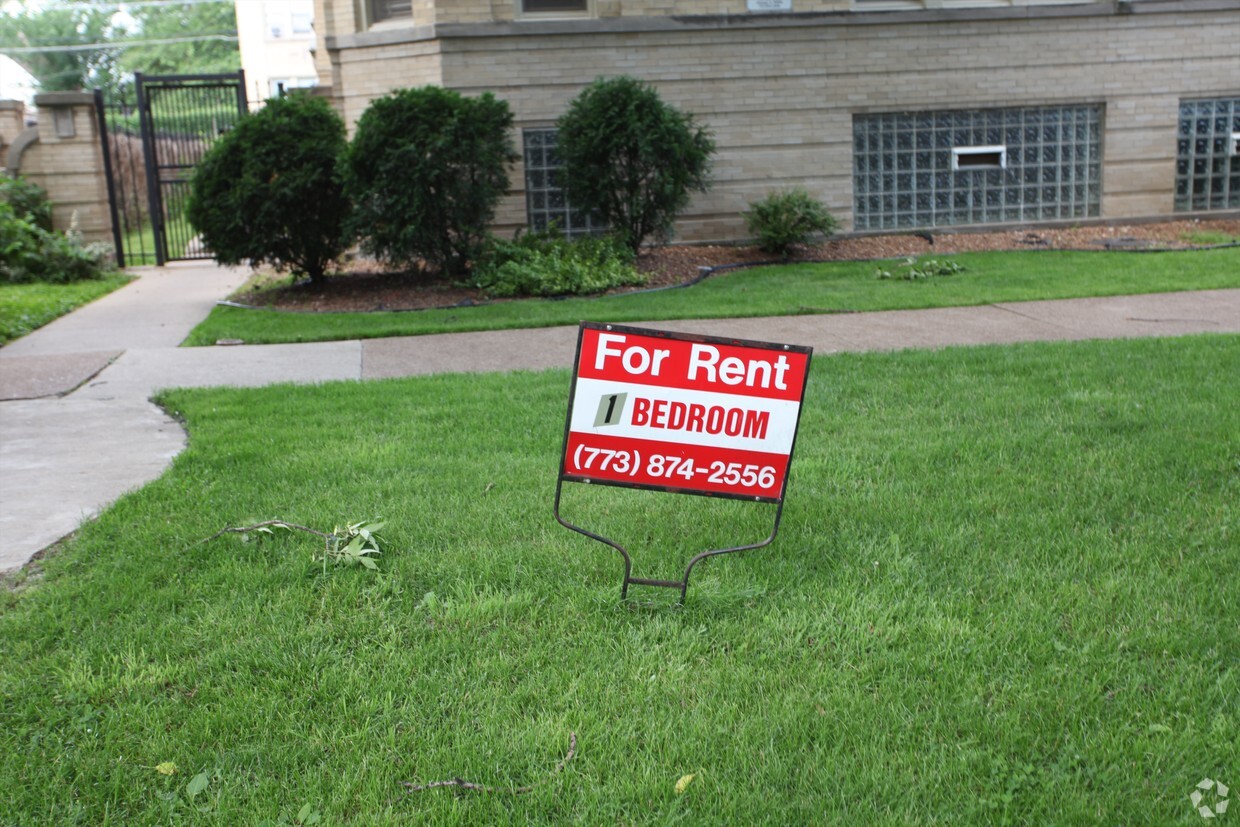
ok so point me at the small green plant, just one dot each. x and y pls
(914, 270)
(546, 264)
(783, 219)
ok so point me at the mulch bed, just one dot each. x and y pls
(365, 287)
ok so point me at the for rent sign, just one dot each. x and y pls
(651, 409)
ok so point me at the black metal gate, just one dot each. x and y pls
(150, 147)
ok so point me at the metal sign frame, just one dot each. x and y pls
(563, 476)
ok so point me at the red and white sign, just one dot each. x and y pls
(651, 409)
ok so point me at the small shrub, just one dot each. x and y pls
(631, 158)
(541, 264)
(27, 200)
(30, 250)
(427, 168)
(914, 270)
(783, 219)
(270, 189)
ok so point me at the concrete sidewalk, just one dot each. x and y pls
(77, 429)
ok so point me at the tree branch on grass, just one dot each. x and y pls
(354, 543)
(483, 788)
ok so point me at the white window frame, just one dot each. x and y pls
(959, 152)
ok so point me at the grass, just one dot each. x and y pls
(1003, 593)
(27, 307)
(770, 291)
(1205, 238)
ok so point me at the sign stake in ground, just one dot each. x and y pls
(680, 413)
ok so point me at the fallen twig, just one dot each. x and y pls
(483, 788)
(277, 523)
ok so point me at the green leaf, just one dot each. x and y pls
(197, 784)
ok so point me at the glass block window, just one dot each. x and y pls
(905, 166)
(545, 201)
(1207, 168)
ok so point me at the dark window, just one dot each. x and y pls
(553, 6)
(390, 9)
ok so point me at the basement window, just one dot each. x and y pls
(1207, 172)
(979, 157)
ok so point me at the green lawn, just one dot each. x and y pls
(1004, 592)
(770, 291)
(25, 307)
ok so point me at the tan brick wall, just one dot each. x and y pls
(71, 170)
(780, 97)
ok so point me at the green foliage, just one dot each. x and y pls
(914, 270)
(30, 250)
(28, 200)
(631, 158)
(541, 264)
(29, 26)
(205, 31)
(783, 219)
(270, 189)
(426, 169)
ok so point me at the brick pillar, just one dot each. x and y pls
(62, 155)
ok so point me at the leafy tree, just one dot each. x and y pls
(48, 44)
(426, 169)
(270, 189)
(632, 158)
(55, 43)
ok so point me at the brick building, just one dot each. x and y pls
(896, 113)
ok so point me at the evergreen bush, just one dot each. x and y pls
(427, 168)
(783, 219)
(270, 189)
(631, 158)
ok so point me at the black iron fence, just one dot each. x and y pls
(152, 140)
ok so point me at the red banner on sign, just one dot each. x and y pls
(699, 415)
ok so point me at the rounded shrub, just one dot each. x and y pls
(426, 169)
(631, 158)
(270, 190)
(783, 219)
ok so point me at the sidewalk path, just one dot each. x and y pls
(77, 428)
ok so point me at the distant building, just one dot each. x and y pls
(15, 82)
(277, 40)
(896, 113)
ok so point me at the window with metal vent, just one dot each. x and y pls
(984, 166)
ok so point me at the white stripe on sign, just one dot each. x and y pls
(693, 417)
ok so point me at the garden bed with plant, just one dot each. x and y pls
(366, 285)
